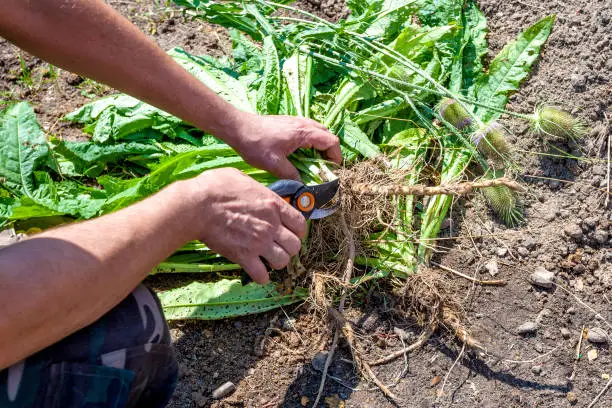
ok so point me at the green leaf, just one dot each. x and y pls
(439, 12)
(475, 48)
(223, 299)
(392, 16)
(510, 67)
(355, 140)
(23, 148)
(297, 72)
(268, 96)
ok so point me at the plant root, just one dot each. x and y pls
(457, 189)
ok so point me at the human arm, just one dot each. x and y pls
(90, 38)
(66, 278)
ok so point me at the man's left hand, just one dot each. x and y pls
(266, 141)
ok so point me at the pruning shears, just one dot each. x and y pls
(313, 202)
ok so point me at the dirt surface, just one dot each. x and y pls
(272, 358)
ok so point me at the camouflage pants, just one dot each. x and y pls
(122, 360)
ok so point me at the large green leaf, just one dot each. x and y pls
(355, 141)
(223, 299)
(475, 45)
(23, 148)
(268, 96)
(510, 67)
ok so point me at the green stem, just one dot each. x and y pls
(171, 267)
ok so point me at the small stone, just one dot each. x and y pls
(592, 354)
(529, 243)
(550, 216)
(536, 369)
(579, 285)
(288, 324)
(597, 335)
(501, 252)
(571, 310)
(224, 390)
(446, 224)
(573, 231)
(539, 348)
(578, 81)
(492, 267)
(318, 361)
(600, 236)
(572, 398)
(565, 333)
(542, 278)
(527, 328)
(522, 251)
(304, 400)
(599, 170)
(590, 222)
(251, 371)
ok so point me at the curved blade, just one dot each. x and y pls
(325, 192)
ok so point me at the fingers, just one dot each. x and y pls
(276, 256)
(293, 220)
(285, 170)
(289, 241)
(325, 141)
(255, 268)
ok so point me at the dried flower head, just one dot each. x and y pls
(454, 113)
(491, 141)
(548, 120)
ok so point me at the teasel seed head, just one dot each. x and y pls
(548, 120)
(491, 141)
(454, 113)
(503, 202)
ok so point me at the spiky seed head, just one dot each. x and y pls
(491, 141)
(548, 120)
(454, 113)
(504, 203)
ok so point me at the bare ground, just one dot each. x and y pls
(564, 194)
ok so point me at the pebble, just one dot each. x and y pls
(550, 216)
(565, 333)
(578, 81)
(597, 335)
(529, 243)
(592, 354)
(288, 324)
(573, 231)
(251, 371)
(600, 236)
(502, 251)
(542, 278)
(522, 251)
(492, 267)
(536, 369)
(599, 170)
(402, 334)
(572, 398)
(224, 390)
(318, 361)
(539, 348)
(527, 328)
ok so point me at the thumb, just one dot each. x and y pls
(284, 169)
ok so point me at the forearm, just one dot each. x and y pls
(88, 37)
(64, 279)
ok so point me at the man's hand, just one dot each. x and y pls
(266, 141)
(243, 220)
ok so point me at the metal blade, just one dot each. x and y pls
(323, 212)
(324, 193)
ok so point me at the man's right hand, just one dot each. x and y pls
(243, 220)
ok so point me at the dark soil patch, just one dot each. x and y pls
(573, 72)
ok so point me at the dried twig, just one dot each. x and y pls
(577, 355)
(471, 279)
(422, 190)
(598, 396)
(350, 263)
(420, 341)
(451, 369)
